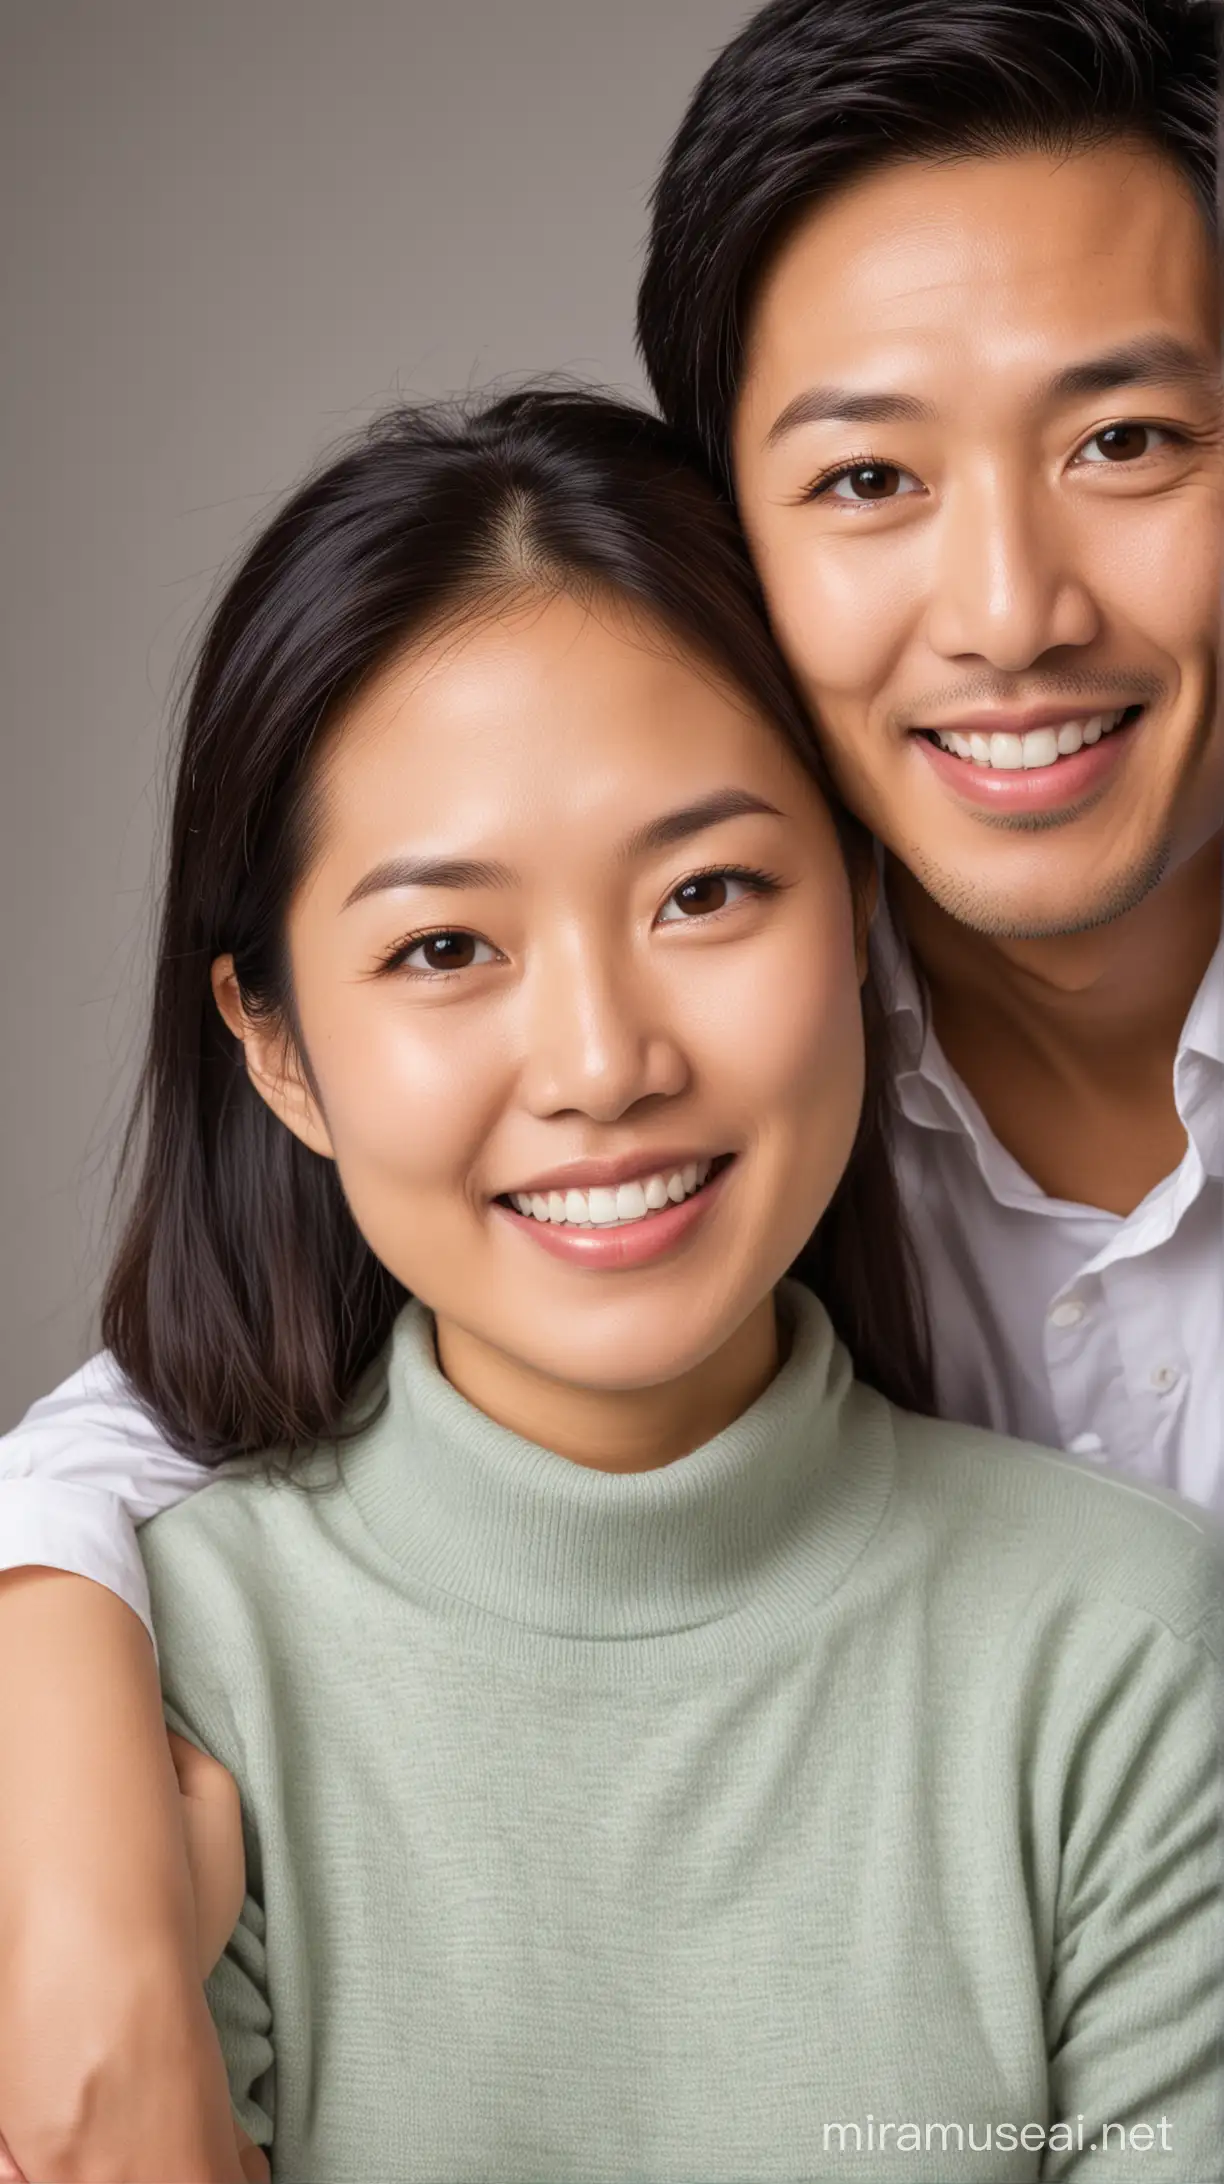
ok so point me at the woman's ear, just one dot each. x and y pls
(272, 1063)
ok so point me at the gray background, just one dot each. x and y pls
(229, 232)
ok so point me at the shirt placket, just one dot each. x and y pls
(1118, 1368)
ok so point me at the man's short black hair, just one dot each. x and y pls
(813, 93)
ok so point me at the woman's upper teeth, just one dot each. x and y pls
(605, 1208)
(1038, 747)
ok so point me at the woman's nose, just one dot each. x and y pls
(596, 1038)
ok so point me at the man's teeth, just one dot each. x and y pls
(612, 1208)
(1040, 747)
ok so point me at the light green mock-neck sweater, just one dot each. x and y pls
(843, 1800)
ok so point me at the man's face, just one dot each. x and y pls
(977, 456)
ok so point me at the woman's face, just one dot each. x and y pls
(575, 970)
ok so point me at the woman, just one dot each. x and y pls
(661, 1754)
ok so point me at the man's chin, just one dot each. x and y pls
(1035, 909)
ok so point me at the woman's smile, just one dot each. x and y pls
(610, 1228)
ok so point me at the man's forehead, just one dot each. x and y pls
(1084, 252)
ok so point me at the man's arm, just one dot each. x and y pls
(110, 2072)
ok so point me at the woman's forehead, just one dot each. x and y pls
(550, 744)
(558, 698)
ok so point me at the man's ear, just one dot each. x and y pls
(865, 883)
(272, 1063)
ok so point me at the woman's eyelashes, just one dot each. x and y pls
(445, 951)
(709, 893)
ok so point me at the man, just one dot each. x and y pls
(936, 289)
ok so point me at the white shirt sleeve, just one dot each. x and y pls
(85, 1466)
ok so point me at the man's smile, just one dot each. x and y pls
(1010, 743)
(1044, 769)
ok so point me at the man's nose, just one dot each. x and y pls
(596, 1036)
(1006, 588)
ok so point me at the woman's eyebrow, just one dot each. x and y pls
(429, 872)
(694, 818)
(660, 833)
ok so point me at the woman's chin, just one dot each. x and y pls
(675, 1367)
(619, 1350)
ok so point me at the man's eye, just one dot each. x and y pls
(447, 952)
(867, 482)
(1121, 444)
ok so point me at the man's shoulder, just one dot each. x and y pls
(1070, 1525)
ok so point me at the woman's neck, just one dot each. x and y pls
(615, 1429)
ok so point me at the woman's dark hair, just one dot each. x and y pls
(815, 93)
(243, 1304)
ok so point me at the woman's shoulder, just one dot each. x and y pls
(1044, 1516)
(250, 1536)
(269, 1503)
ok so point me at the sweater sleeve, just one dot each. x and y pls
(83, 1468)
(1135, 2006)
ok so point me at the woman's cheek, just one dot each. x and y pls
(409, 1111)
(801, 1037)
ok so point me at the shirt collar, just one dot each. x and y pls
(925, 1086)
(1203, 1032)
(929, 1093)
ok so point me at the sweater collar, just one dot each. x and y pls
(763, 1520)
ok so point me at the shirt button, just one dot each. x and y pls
(1164, 1377)
(1067, 1314)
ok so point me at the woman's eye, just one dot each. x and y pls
(704, 893)
(1121, 444)
(447, 952)
(868, 482)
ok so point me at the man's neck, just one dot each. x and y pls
(1068, 1044)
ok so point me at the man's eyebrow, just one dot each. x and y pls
(660, 833)
(1151, 360)
(429, 872)
(842, 405)
(694, 818)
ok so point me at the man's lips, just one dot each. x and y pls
(1067, 781)
(1019, 720)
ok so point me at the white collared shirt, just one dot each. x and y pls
(1056, 1322)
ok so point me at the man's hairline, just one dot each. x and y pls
(1010, 145)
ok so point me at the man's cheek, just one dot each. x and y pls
(841, 645)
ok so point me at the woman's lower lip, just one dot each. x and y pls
(1036, 788)
(634, 1243)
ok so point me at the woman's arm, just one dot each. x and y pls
(110, 2071)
